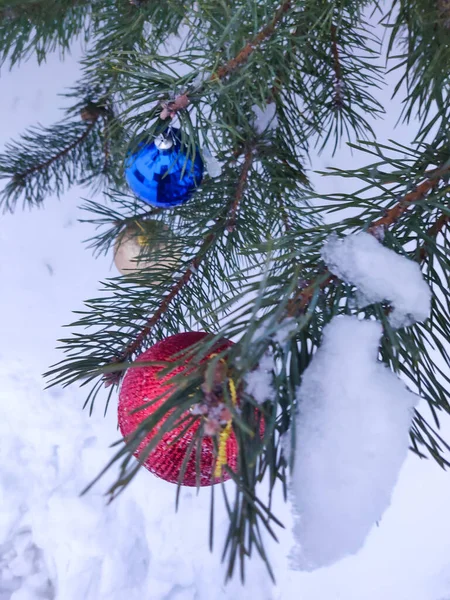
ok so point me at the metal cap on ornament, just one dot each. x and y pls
(162, 173)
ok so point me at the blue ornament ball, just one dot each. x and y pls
(161, 174)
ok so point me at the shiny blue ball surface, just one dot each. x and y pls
(161, 177)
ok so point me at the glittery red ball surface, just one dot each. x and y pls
(141, 385)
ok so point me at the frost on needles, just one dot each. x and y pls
(352, 437)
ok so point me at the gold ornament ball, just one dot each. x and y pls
(133, 249)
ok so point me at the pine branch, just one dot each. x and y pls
(339, 84)
(28, 28)
(420, 193)
(31, 9)
(420, 29)
(306, 291)
(433, 232)
(114, 378)
(172, 107)
(248, 159)
(251, 46)
(229, 220)
(47, 160)
(21, 176)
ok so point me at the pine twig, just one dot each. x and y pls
(304, 294)
(175, 290)
(338, 83)
(393, 214)
(243, 178)
(60, 154)
(30, 9)
(437, 227)
(251, 46)
(287, 60)
(433, 232)
(114, 377)
(170, 108)
(47, 160)
(285, 217)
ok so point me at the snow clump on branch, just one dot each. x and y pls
(379, 274)
(352, 437)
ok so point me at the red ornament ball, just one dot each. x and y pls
(142, 385)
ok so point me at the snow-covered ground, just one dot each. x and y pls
(55, 544)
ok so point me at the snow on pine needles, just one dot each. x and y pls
(352, 437)
(379, 274)
(259, 383)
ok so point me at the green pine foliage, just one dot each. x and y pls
(251, 238)
(35, 28)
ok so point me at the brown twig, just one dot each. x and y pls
(285, 217)
(107, 154)
(433, 232)
(250, 47)
(242, 182)
(175, 290)
(304, 294)
(338, 82)
(437, 227)
(127, 353)
(419, 193)
(80, 139)
(171, 108)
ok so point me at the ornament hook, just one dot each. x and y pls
(163, 142)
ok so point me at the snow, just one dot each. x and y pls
(287, 328)
(352, 437)
(213, 166)
(47, 471)
(200, 78)
(259, 383)
(73, 546)
(22, 571)
(265, 119)
(379, 274)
